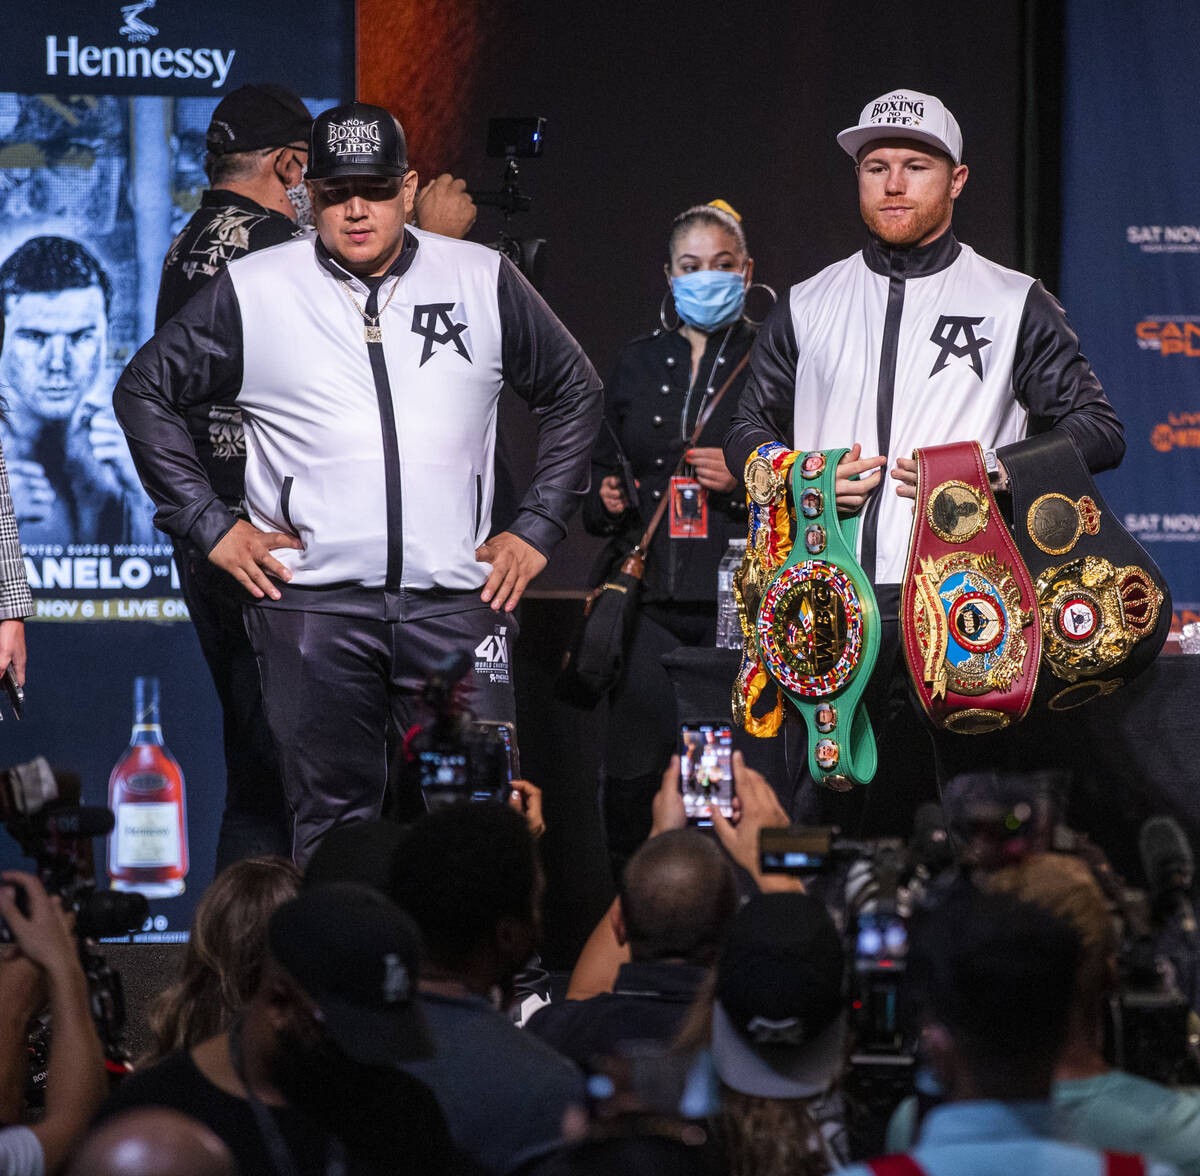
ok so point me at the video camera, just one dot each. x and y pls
(42, 813)
(511, 139)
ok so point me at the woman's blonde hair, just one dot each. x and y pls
(224, 958)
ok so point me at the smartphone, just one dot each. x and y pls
(14, 692)
(706, 770)
(506, 733)
(795, 850)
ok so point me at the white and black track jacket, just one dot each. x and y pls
(379, 456)
(902, 348)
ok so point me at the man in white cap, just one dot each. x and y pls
(914, 341)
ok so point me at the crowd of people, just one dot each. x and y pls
(384, 1012)
(314, 420)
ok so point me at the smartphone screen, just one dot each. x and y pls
(507, 735)
(794, 850)
(706, 770)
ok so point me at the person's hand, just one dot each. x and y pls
(612, 495)
(711, 470)
(905, 473)
(760, 809)
(12, 648)
(108, 443)
(514, 563)
(245, 553)
(852, 491)
(667, 807)
(33, 496)
(445, 206)
(43, 936)
(526, 799)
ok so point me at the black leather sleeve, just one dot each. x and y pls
(549, 370)
(1055, 382)
(764, 412)
(195, 359)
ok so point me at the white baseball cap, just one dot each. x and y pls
(904, 114)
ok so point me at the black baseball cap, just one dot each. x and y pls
(778, 1022)
(357, 955)
(252, 117)
(356, 140)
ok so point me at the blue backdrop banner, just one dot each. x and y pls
(1131, 260)
(101, 163)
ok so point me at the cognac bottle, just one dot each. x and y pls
(147, 849)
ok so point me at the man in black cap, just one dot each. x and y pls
(367, 365)
(256, 150)
(306, 1079)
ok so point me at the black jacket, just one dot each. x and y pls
(652, 413)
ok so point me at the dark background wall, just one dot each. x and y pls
(654, 107)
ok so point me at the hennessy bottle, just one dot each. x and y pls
(147, 849)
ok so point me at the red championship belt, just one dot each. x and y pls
(972, 633)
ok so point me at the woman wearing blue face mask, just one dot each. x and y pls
(663, 383)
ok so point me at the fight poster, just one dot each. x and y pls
(1131, 261)
(102, 127)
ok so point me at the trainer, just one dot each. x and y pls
(914, 341)
(367, 364)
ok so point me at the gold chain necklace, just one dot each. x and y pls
(372, 331)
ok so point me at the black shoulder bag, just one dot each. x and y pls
(595, 658)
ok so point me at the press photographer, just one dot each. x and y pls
(44, 961)
(41, 813)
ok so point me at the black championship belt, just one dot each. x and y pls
(1105, 606)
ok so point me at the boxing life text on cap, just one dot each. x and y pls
(357, 956)
(904, 114)
(356, 140)
(255, 117)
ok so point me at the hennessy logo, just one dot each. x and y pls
(434, 324)
(947, 334)
(137, 30)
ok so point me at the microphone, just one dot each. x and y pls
(1169, 867)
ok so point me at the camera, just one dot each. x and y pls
(452, 757)
(41, 811)
(511, 139)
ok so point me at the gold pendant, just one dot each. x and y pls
(372, 332)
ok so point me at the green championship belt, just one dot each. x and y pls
(818, 629)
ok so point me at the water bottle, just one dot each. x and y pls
(729, 628)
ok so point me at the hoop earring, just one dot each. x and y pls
(662, 314)
(774, 299)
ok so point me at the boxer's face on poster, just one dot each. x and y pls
(54, 347)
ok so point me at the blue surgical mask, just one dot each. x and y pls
(709, 299)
